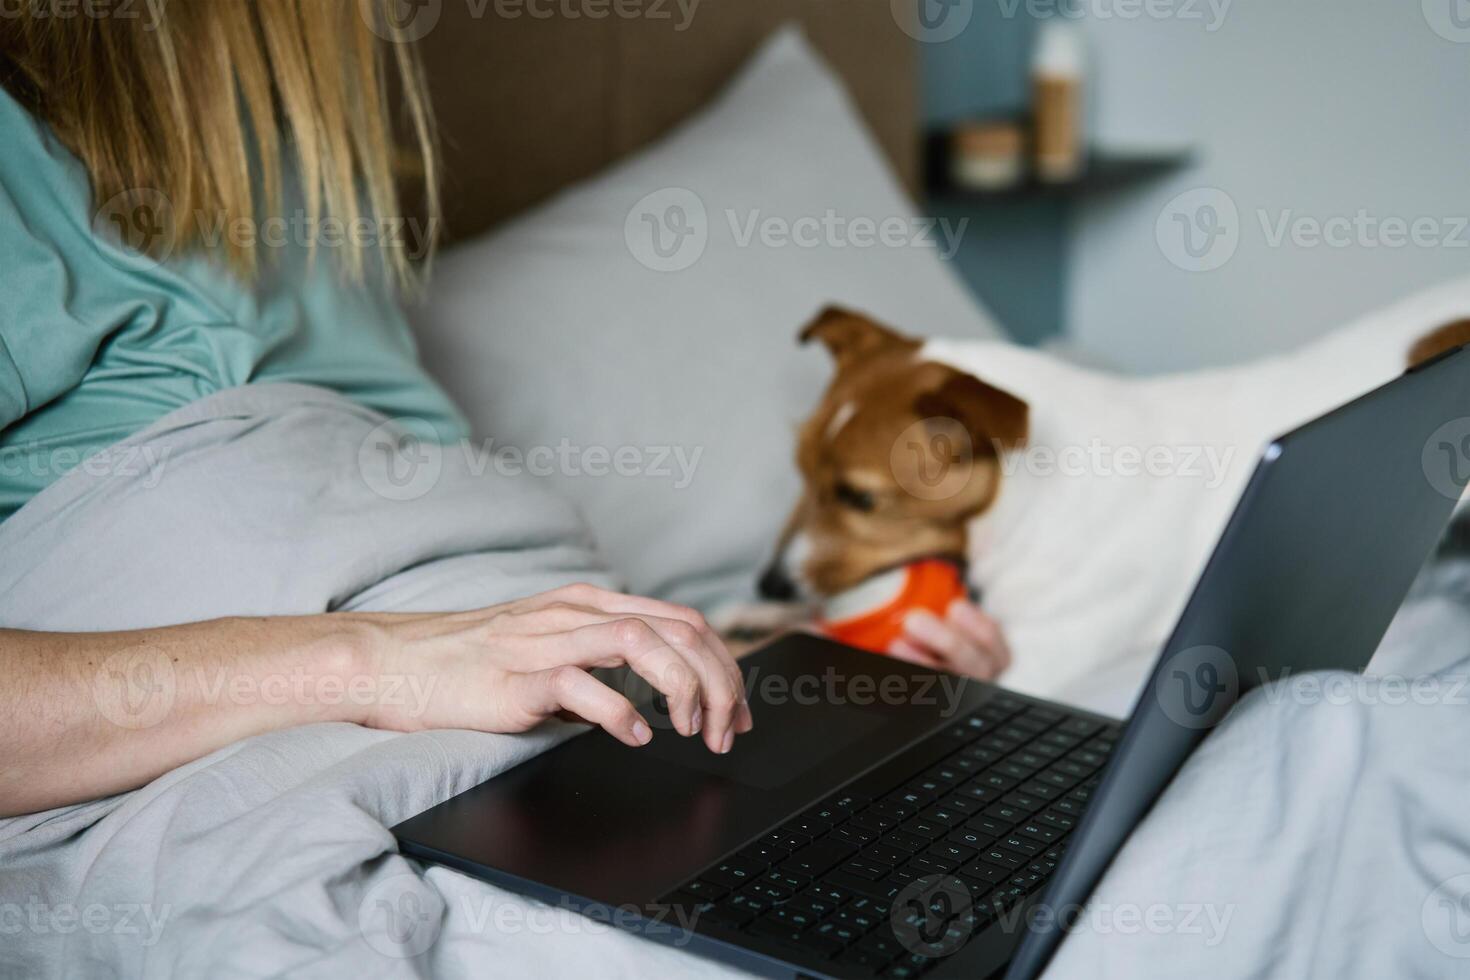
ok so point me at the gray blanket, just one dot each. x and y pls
(273, 855)
(1310, 837)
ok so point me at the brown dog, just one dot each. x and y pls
(934, 448)
(900, 455)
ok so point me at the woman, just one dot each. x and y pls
(189, 137)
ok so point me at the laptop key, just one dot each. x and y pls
(1020, 845)
(856, 836)
(848, 803)
(967, 805)
(706, 890)
(1014, 769)
(1039, 793)
(1007, 812)
(785, 840)
(882, 891)
(733, 873)
(764, 854)
(1038, 831)
(766, 890)
(933, 864)
(978, 792)
(1068, 806)
(984, 871)
(969, 838)
(858, 920)
(822, 891)
(840, 932)
(1001, 858)
(895, 806)
(786, 879)
(925, 828)
(818, 857)
(1069, 767)
(797, 918)
(1080, 726)
(1026, 800)
(1057, 821)
(906, 841)
(1029, 722)
(988, 823)
(885, 854)
(811, 904)
(810, 826)
(1060, 780)
(864, 868)
(956, 852)
(874, 821)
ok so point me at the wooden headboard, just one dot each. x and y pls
(528, 104)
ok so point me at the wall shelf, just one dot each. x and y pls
(1107, 169)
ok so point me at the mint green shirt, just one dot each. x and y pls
(97, 341)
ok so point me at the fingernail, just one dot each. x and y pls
(696, 721)
(729, 742)
(642, 734)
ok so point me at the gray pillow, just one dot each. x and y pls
(656, 380)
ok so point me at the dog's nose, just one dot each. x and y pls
(776, 584)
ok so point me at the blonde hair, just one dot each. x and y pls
(198, 101)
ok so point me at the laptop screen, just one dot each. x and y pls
(1326, 540)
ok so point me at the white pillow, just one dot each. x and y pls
(675, 374)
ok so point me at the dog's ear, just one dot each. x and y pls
(994, 419)
(1432, 344)
(849, 335)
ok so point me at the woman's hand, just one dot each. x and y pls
(84, 715)
(506, 668)
(965, 641)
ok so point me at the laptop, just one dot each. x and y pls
(887, 820)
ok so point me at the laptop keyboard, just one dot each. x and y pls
(985, 803)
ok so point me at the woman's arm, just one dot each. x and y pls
(84, 715)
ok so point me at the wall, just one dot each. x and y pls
(1298, 109)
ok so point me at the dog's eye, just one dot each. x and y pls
(851, 496)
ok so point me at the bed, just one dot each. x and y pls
(1310, 836)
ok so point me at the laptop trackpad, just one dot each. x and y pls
(776, 752)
